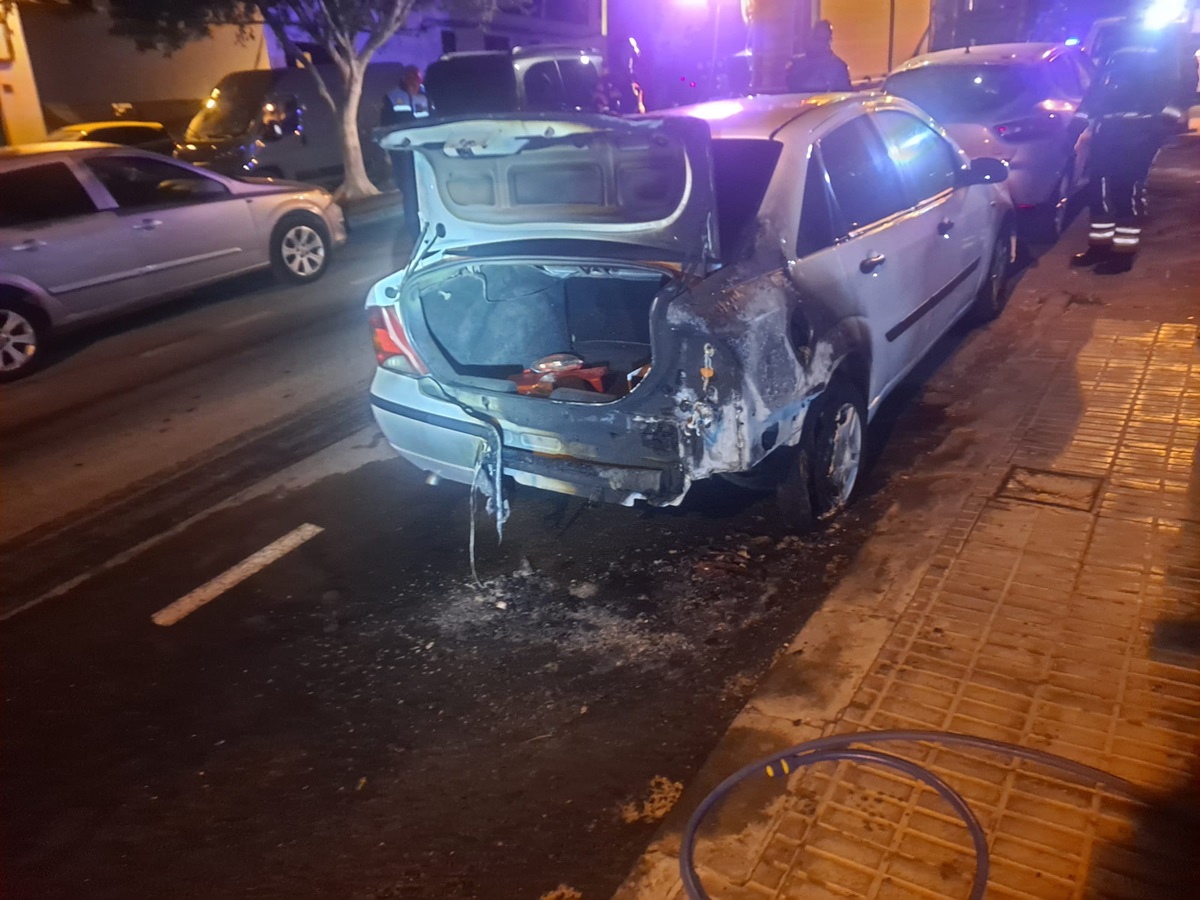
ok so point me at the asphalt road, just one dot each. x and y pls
(357, 717)
(133, 398)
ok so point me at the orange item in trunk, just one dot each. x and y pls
(540, 384)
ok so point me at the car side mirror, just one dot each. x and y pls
(984, 170)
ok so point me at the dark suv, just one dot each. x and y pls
(541, 78)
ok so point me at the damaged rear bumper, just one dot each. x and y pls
(441, 437)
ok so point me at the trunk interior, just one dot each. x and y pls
(567, 332)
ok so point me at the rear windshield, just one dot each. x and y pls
(742, 169)
(962, 93)
(468, 85)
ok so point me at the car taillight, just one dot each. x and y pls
(392, 348)
(1029, 129)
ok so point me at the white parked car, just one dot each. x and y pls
(1015, 102)
(91, 230)
(618, 308)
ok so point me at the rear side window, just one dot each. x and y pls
(926, 163)
(46, 193)
(866, 186)
(816, 220)
(742, 169)
(135, 182)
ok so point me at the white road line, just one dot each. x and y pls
(164, 348)
(364, 280)
(256, 562)
(246, 320)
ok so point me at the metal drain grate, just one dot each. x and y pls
(1051, 488)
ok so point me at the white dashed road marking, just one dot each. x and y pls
(256, 562)
(246, 320)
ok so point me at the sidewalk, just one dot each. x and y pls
(1046, 593)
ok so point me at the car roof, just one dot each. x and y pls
(986, 55)
(556, 50)
(115, 123)
(762, 115)
(55, 150)
(530, 51)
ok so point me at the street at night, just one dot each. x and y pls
(359, 718)
(594, 449)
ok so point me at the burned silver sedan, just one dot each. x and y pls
(619, 308)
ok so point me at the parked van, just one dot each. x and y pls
(274, 122)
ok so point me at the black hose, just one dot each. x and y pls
(839, 747)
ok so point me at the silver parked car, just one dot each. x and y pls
(91, 230)
(618, 308)
(1015, 102)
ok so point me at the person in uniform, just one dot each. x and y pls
(1131, 108)
(404, 103)
(820, 69)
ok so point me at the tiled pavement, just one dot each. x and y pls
(1060, 611)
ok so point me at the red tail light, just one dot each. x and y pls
(392, 347)
(1029, 129)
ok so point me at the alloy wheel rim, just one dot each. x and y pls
(18, 341)
(1060, 208)
(847, 451)
(1000, 256)
(303, 250)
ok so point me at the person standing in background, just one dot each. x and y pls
(1132, 107)
(403, 104)
(819, 69)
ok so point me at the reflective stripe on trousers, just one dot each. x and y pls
(1126, 239)
(1101, 234)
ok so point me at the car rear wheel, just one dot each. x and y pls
(1050, 218)
(22, 340)
(993, 293)
(299, 248)
(826, 467)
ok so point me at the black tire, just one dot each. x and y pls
(827, 465)
(300, 248)
(993, 292)
(24, 335)
(1049, 218)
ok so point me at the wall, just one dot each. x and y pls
(81, 69)
(861, 32)
(20, 109)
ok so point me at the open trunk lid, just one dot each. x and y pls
(521, 177)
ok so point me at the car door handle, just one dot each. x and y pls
(944, 227)
(30, 244)
(871, 263)
(147, 225)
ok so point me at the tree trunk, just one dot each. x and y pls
(355, 184)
